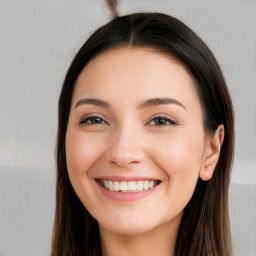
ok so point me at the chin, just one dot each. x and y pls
(137, 224)
(126, 229)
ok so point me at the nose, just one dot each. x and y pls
(125, 148)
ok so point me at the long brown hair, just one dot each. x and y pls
(204, 228)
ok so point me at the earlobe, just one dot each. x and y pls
(212, 153)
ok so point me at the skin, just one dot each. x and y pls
(128, 140)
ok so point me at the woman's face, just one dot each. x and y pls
(135, 143)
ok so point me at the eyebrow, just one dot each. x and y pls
(160, 101)
(96, 102)
(144, 104)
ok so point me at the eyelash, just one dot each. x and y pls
(167, 121)
(84, 121)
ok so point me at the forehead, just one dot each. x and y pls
(134, 73)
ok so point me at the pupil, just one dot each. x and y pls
(96, 120)
(161, 121)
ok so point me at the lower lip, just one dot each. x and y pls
(125, 196)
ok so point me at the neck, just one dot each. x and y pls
(159, 241)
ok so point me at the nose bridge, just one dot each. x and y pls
(125, 146)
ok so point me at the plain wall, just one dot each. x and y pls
(38, 40)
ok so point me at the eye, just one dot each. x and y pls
(162, 121)
(93, 120)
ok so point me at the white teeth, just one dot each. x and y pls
(123, 186)
(110, 186)
(151, 184)
(140, 185)
(116, 186)
(105, 184)
(145, 185)
(130, 186)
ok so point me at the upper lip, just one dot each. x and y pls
(125, 178)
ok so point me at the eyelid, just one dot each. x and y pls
(92, 115)
(167, 118)
(171, 120)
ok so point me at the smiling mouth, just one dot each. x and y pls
(130, 186)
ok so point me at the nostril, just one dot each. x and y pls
(125, 157)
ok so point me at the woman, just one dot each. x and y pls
(145, 144)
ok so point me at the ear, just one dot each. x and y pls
(212, 153)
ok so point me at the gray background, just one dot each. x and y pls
(38, 40)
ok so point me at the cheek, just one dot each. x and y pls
(180, 160)
(179, 154)
(81, 152)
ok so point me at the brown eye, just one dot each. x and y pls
(93, 120)
(162, 121)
